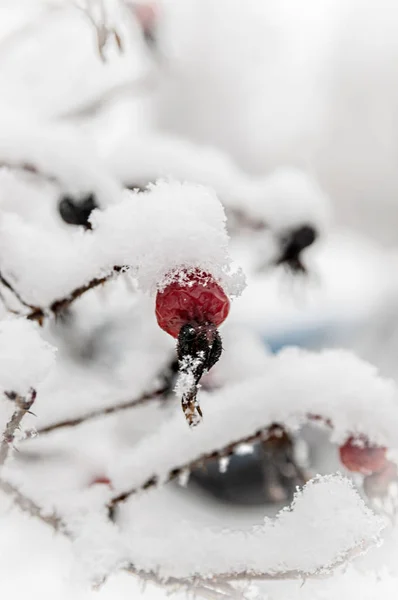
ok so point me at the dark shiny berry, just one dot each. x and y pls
(77, 212)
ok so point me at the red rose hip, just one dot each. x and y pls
(359, 456)
(190, 309)
(199, 299)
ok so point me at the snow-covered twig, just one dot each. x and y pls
(60, 305)
(23, 406)
(29, 506)
(15, 292)
(146, 398)
(261, 435)
(104, 30)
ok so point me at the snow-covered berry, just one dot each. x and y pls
(190, 309)
(77, 212)
(195, 299)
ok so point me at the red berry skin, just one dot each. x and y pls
(102, 480)
(363, 458)
(199, 299)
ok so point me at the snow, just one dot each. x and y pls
(285, 199)
(334, 384)
(57, 153)
(138, 232)
(297, 540)
(25, 358)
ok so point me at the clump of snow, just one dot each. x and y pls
(289, 198)
(171, 226)
(25, 358)
(223, 464)
(326, 524)
(285, 199)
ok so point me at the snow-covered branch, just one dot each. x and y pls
(182, 472)
(336, 385)
(295, 543)
(139, 232)
(23, 406)
(146, 398)
(30, 507)
(59, 306)
(25, 360)
(105, 33)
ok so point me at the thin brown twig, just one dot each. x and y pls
(23, 405)
(17, 295)
(39, 314)
(103, 31)
(102, 412)
(7, 306)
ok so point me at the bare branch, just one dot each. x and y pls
(17, 295)
(23, 406)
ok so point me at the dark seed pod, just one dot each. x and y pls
(77, 212)
(293, 245)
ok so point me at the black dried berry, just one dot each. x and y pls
(77, 212)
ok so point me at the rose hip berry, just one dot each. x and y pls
(360, 456)
(198, 299)
(190, 309)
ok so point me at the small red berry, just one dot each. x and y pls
(197, 299)
(360, 456)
